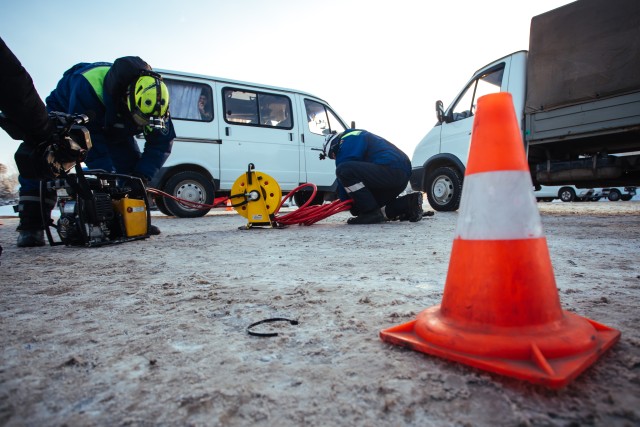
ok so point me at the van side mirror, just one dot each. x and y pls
(353, 124)
(440, 111)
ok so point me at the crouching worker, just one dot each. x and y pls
(122, 99)
(372, 172)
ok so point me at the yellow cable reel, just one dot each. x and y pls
(256, 196)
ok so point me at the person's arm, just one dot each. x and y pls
(20, 102)
(157, 149)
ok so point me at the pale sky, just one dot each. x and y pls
(380, 63)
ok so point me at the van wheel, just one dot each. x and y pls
(444, 189)
(567, 194)
(191, 186)
(614, 195)
(162, 205)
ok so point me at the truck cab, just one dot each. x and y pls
(439, 160)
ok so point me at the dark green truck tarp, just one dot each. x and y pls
(582, 51)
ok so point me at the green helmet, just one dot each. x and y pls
(148, 100)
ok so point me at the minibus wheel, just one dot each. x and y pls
(444, 189)
(162, 206)
(192, 186)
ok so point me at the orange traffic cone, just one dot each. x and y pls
(229, 205)
(500, 310)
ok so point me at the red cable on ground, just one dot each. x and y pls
(217, 202)
(306, 214)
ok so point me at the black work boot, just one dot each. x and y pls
(31, 227)
(414, 210)
(406, 208)
(372, 217)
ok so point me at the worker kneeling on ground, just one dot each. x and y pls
(372, 172)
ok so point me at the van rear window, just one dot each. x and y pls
(257, 108)
(190, 101)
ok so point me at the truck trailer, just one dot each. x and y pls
(576, 93)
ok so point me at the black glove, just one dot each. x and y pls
(49, 159)
(65, 147)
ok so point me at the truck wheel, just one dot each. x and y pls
(614, 195)
(444, 189)
(192, 186)
(566, 194)
(626, 197)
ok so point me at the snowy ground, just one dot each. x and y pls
(153, 332)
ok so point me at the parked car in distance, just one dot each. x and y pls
(566, 193)
(615, 193)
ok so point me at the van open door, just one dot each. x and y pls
(317, 122)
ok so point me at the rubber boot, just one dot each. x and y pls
(405, 208)
(31, 226)
(414, 211)
(372, 217)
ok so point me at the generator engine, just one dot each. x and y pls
(98, 208)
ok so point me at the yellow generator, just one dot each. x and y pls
(98, 208)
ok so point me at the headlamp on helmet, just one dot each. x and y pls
(331, 146)
(148, 100)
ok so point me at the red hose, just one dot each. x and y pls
(306, 214)
(217, 202)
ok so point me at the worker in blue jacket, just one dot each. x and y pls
(372, 172)
(122, 99)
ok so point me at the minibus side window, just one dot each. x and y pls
(321, 120)
(190, 101)
(257, 109)
(275, 111)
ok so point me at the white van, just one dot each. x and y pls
(224, 125)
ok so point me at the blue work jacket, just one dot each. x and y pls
(98, 91)
(363, 146)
